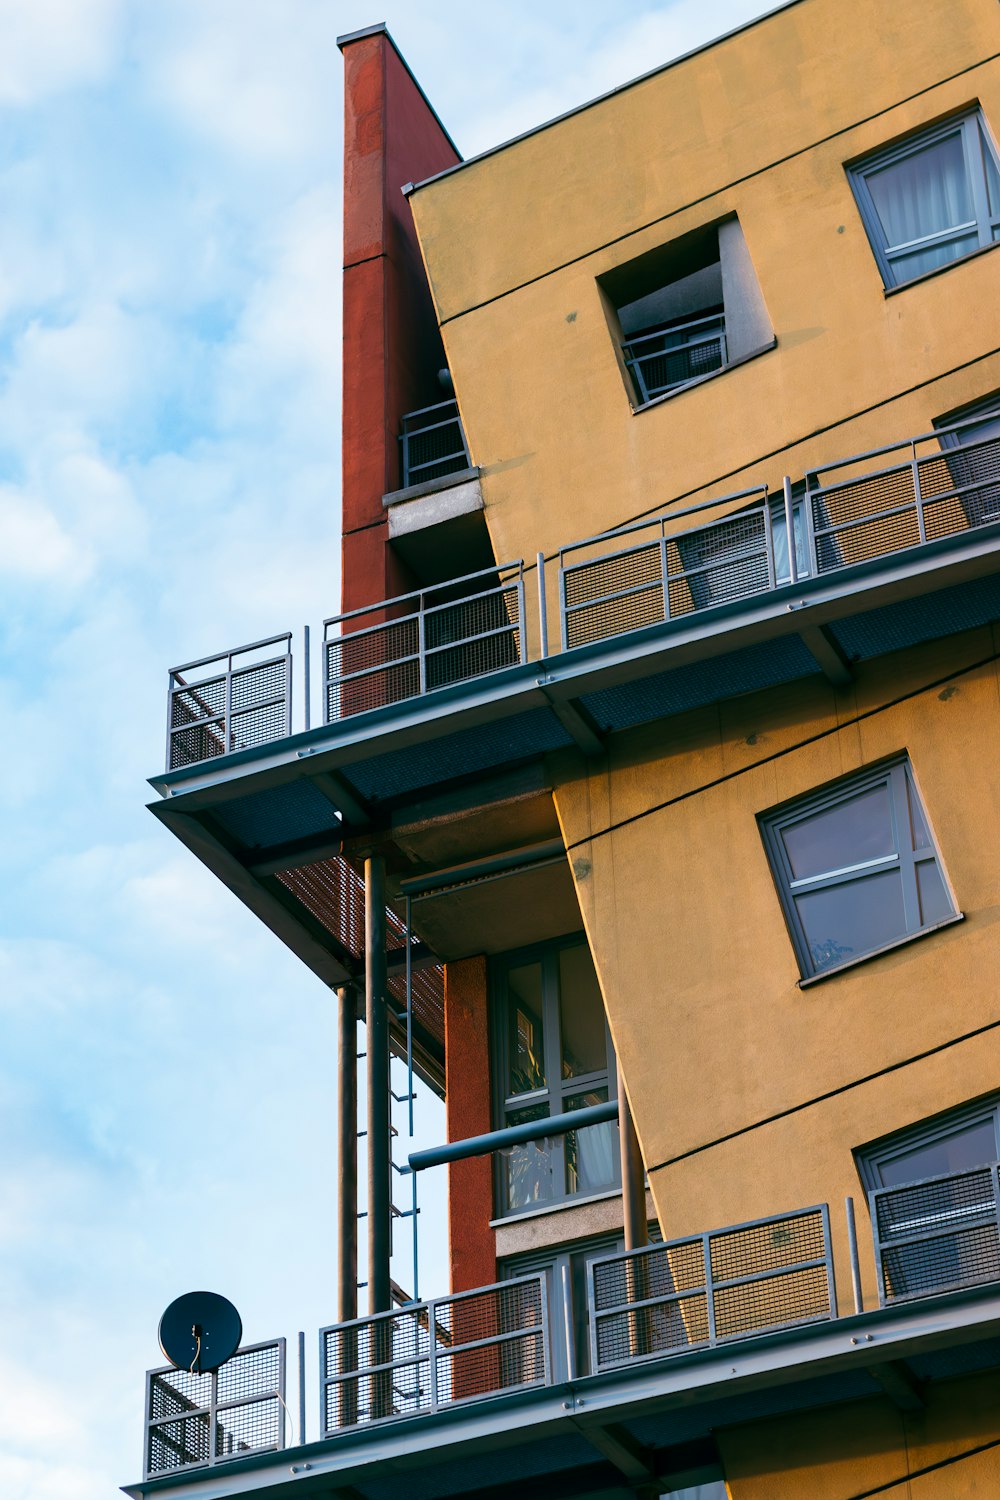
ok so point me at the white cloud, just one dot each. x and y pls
(33, 545)
(49, 45)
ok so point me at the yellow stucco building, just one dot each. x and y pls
(654, 820)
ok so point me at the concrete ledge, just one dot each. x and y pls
(415, 510)
(429, 487)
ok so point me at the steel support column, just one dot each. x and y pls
(377, 1046)
(633, 1173)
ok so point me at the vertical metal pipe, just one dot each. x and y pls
(633, 1177)
(852, 1245)
(347, 1156)
(306, 674)
(302, 1387)
(567, 1307)
(543, 619)
(377, 1050)
(793, 571)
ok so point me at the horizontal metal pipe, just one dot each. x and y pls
(474, 870)
(513, 1135)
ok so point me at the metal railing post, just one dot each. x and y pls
(421, 647)
(306, 685)
(522, 621)
(543, 621)
(432, 1346)
(563, 621)
(302, 1386)
(706, 1250)
(917, 498)
(793, 569)
(567, 1309)
(772, 571)
(852, 1247)
(228, 741)
(664, 573)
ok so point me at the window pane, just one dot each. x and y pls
(592, 1153)
(992, 175)
(843, 921)
(919, 262)
(924, 193)
(581, 1014)
(970, 1146)
(918, 825)
(935, 903)
(529, 1168)
(855, 830)
(779, 539)
(525, 1036)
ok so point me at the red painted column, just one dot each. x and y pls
(392, 347)
(467, 1078)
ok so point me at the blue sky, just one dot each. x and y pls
(169, 469)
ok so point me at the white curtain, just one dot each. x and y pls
(924, 194)
(596, 1147)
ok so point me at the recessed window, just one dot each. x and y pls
(972, 439)
(856, 868)
(686, 310)
(554, 1055)
(930, 199)
(934, 1202)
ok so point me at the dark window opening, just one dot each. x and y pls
(686, 310)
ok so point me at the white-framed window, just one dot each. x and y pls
(553, 1054)
(930, 199)
(856, 867)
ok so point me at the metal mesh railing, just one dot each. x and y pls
(402, 648)
(239, 699)
(938, 1234)
(432, 443)
(427, 1355)
(899, 496)
(693, 1293)
(196, 1420)
(660, 575)
(674, 356)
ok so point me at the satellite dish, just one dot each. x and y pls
(200, 1331)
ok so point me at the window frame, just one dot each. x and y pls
(976, 137)
(896, 774)
(557, 1090)
(870, 1159)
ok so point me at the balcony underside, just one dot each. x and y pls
(601, 1435)
(274, 822)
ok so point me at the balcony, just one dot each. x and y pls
(432, 444)
(675, 355)
(697, 1325)
(866, 530)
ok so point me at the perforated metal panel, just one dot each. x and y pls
(432, 443)
(607, 590)
(233, 701)
(912, 621)
(726, 676)
(498, 744)
(196, 1420)
(292, 810)
(432, 1354)
(400, 648)
(938, 1234)
(732, 1283)
(870, 505)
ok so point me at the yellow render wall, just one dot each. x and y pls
(759, 126)
(948, 1451)
(700, 981)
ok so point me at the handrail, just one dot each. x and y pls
(513, 1135)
